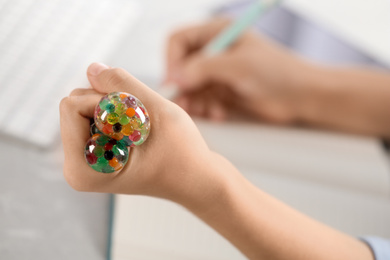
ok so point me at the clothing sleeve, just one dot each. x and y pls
(379, 246)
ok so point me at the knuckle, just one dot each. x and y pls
(175, 36)
(76, 91)
(76, 186)
(74, 182)
(64, 104)
(67, 104)
(178, 35)
(116, 77)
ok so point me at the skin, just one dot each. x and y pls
(195, 177)
(259, 78)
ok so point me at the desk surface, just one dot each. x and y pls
(40, 214)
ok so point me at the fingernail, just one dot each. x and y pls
(96, 68)
(179, 80)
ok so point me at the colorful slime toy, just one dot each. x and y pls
(105, 154)
(121, 121)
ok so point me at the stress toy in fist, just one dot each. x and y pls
(121, 122)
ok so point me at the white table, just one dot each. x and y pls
(41, 217)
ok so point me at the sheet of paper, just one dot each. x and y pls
(364, 24)
(317, 172)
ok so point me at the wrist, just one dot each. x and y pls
(346, 99)
(316, 93)
(232, 208)
(212, 187)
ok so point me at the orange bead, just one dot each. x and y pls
(117, 136)
(107, 129)
(113, 162)
(127, 129)
(122, 96)
(130, 112)
(118, 167)
(95, 136)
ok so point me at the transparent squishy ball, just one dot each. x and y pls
(106, 155)
(122, 116)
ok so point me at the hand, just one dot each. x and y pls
(254, 76)
(172, 163)
(175, 163)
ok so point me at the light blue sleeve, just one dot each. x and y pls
(379, 246)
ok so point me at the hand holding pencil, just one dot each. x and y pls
(252, 76)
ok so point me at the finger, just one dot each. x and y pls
(82, 91)
(216, 111)
(187, 41)
(75, 112)
(200, 70)
(183, 102)
(197, 105)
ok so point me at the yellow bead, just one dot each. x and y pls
(112, 118)
(120, 108)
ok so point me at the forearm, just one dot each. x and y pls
(264, 228)
(348, 99)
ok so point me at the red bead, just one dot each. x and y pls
(107, 129)
(135, 136)
(91, 158)
(91, 142)
(108, 146)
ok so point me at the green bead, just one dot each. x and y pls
(140, 141)
(99, 151)
(124, 120)
(144, 131)
(119, 149)
(115, 97)
(120, 108)
(125, 141)
(103, 104)
(97, 167)
(102, 140)
(108, 169)
(112, 118)
(102, 162)
(121, 146)
(110, 108)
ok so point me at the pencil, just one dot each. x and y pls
(231, 33)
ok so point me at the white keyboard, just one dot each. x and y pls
(45, 48)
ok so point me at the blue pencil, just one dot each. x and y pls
(229, 35)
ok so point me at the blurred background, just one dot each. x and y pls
(45, 47)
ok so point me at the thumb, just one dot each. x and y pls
(200, 69)
(105, 80)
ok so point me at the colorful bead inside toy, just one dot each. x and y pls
(104, 154)
(122, 116)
